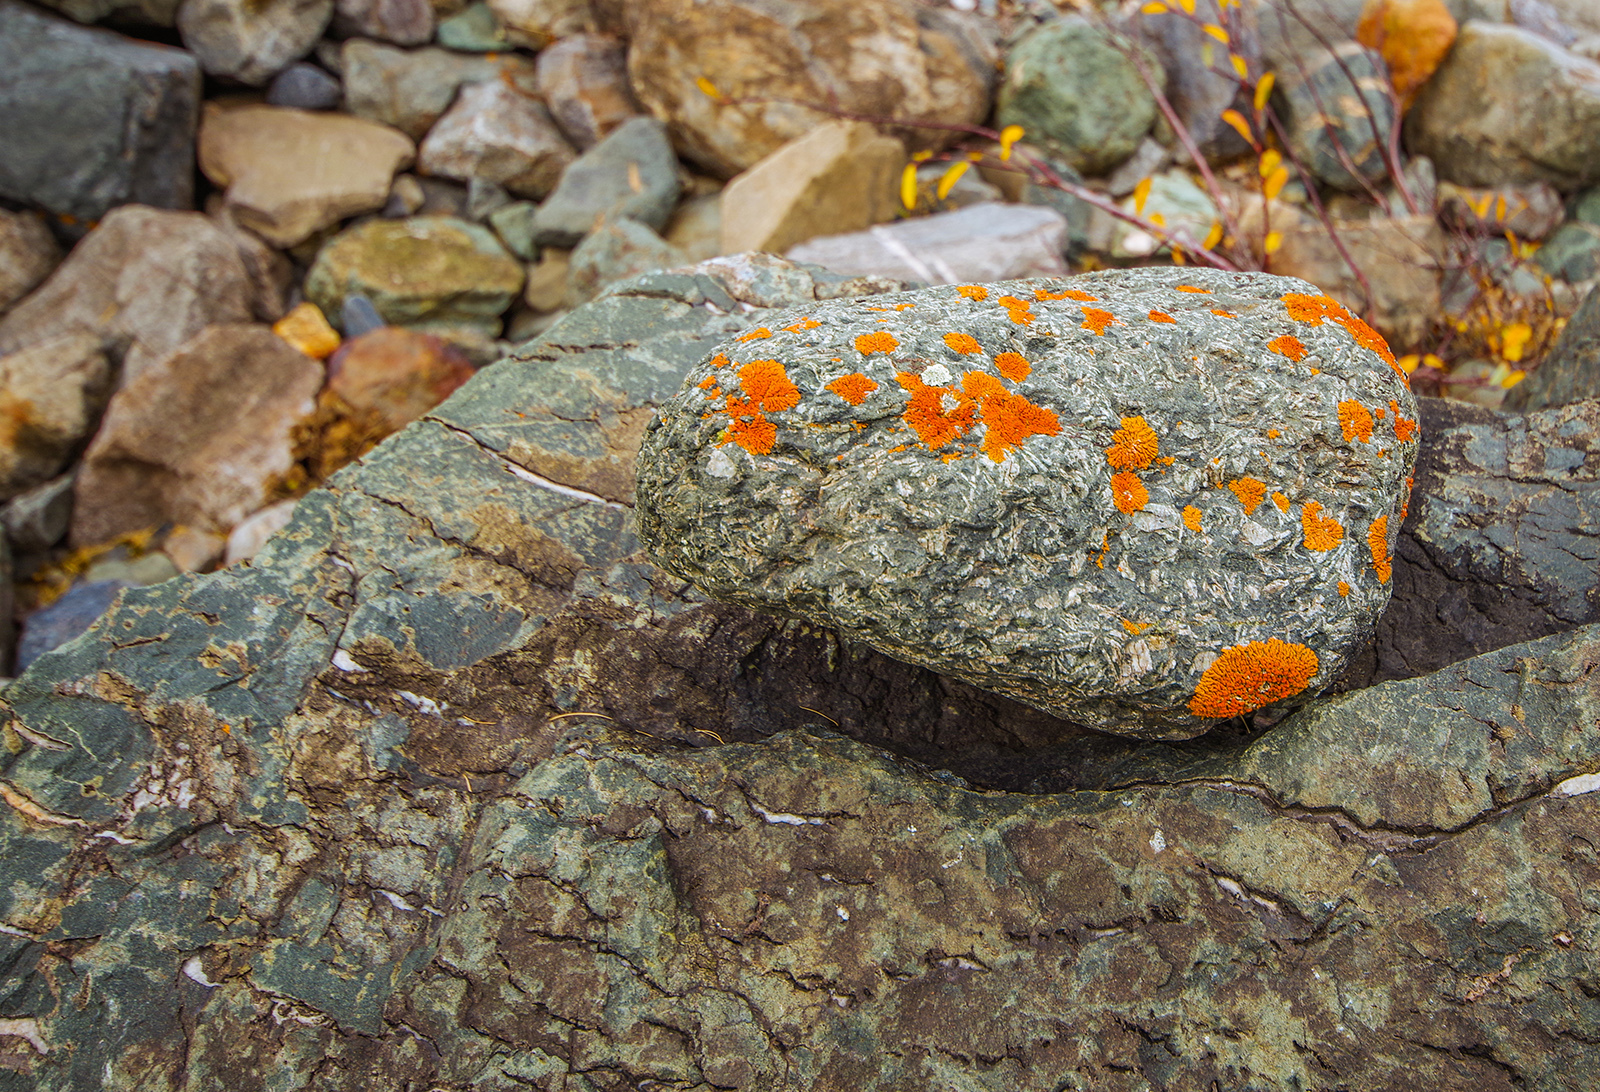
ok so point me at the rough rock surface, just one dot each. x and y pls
(1536, 118)
(126, 109)
(497, 133)
(313, 822)
(584, 81)
(411, 89)
(615, 251)
(985, 242)
(1571, 370)
(28, 252)
(51, 395)
(877, 58)
(1342, 116)
(251, 42)
(631, 173)
(1056, 490)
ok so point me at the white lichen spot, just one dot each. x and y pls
(1577, 786)
(844, 915)
(193, 970)
(1158, 842)
(344, 662)
(395, 900)
(719, 465)
(937, 376)
(786, 819)
(25, 1027)
(1254, 534)
(113, 836)
(948, 403)
(420, 703)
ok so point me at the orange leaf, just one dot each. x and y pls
(1269, 161)
(1216, 32)
(1214, 236)
(1141, 194)
(1275, 182)
(1239, 66)
(1240, 125)
(1264, 91)
(1155, 7)
(708, 88)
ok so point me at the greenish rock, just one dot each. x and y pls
(317, 822)
(1586, 206)
(1182, 205)
(1078, 94)
(1572, 252)
(474, 29)
(1055, 490)
(427, 270)
(632, 173)
(615, 250)
(1342, 116)
(513, 223)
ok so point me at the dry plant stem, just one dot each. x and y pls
(1041, 171)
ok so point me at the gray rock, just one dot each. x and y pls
(584, 81)
(1200, 89)
(474, 29)
(127, 109)
(53, 626)
(1008, 532)
(403, 22)
(28, 252)
(1530, 211)
(1572, 252)
(1586, 206)
(37, 520)
(306, 87)
(1342, 116)
(251, 42)
(411, 89)
(1077, 94)
(632, 173)
(513, 223)
(1570, 372)
(985, 242)
(497, 133)
(357, 316)
(1539, 120)
(616, 250)
(51, 395)
(153, 13)
(1148, 161)
(1541, 18)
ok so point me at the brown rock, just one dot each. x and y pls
(51, 395)
(1412, 36)
(143, 282)
(584, 81)
(842, 176)
(546, 289)
(238, 389)
(404, 22)
(880, 58)
(396, 373)
(28, 252)
(500, 134)
(1399, 256)
(291, 173)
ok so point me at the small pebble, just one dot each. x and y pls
(306, 87)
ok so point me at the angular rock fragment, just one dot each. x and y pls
(1142, 500)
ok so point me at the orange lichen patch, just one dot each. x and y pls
(803, 325)
(709, 383)
(720, 360)
(1011, 419)
(1065, 294)
(1368, 338)
(1192, 288)
(904, 306)
(1249, 491)
(973, 291)
(755, 335)
(1316, 371)
(1128, 492)
(1166, 460)
(1378, 413)
(1162, 316)
(1378, 543)
(1344, 589)
(965, 344)
(1097, 320)
(1273, 434)
(1019, 311)
(927, 415)
(1223, 313)
(1247, 677)
(853, 388)
(1136, 628)
(1354, 421)
(1133, 445)
(980, 385)
(1281, 501)
(1312, 309)
(881, 341)
(1191, 517)
(1013, 366)
(756, 435)
(1404, 429)
(1288, 345)
(1322, 533)
(768, 386)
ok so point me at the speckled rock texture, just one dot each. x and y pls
(317, 823)
(1142, 500)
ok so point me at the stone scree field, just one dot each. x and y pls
(453, 789)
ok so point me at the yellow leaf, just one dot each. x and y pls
(1009, 136)
(1500, 208)
(1434, 362)
(1240, 126)
(921, 157)
(1214, 236)
(708, 88)
(1239, 66)
(908, 186)
(948, 180)
(1269, 161)
(1514, 339)
(1155, 7)
(1272, 242)
(1513, 379)
(1177, 255)
(1187, 5)
(1141, 194)
(1264, 91)
(974, 157)
(1275, 182)
(1217, 32)
(1480, 208)
(1157, 219)
(1408, 363)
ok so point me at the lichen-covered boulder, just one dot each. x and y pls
(1144, 500)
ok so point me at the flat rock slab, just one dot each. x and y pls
(1142, 500)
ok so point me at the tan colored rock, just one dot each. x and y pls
(546, 289)
(499, 134)
(842, 176)
(28, 252)
(879, 58)
(51, 395)
(537, 23)
(1400, 257)
(246, 539)
(696, 227)
(238, 390)
(291, 173)
(584, 81)
(143, 282)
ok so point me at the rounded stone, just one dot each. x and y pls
(1143, 500)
